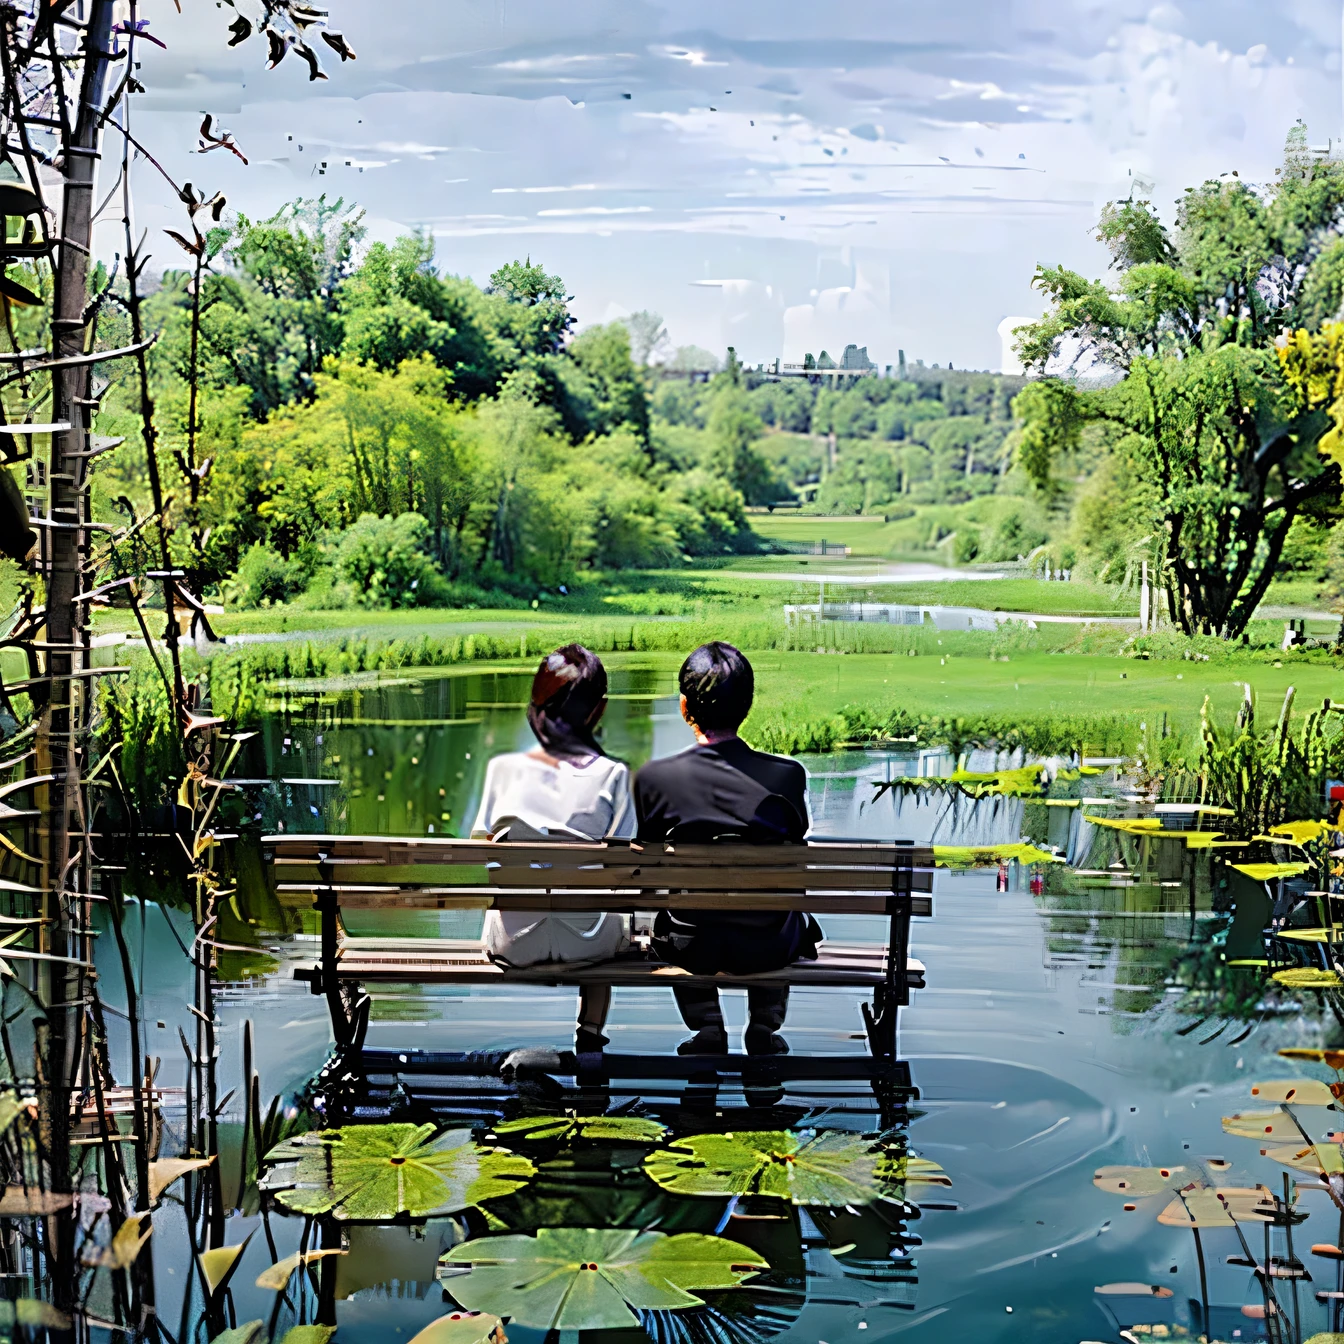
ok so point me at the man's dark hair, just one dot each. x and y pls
(719, 685)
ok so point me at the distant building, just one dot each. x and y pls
(854, 363)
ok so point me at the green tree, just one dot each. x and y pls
(1222, 448)
(603, 387)
(732, 431)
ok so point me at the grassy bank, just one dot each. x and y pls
(1049, 690)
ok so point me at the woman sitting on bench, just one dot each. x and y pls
(565, 789)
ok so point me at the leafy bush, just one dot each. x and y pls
(387, 562)
(265, 578)
(966, 546)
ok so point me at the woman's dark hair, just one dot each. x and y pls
(570, 685)
(719, 685)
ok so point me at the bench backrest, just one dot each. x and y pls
(842, 877)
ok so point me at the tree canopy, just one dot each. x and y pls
(1187, 386)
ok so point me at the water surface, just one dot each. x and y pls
(1047, 1043)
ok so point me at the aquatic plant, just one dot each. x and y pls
(566, 1129)
(829, 1168)
(568, 1278)
(375, 1172)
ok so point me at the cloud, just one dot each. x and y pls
(948, 148)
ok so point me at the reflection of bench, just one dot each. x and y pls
(824, 878)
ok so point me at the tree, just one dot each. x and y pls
(604, 387)
(1223, 450)
(648, 336)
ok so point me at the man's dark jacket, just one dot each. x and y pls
(727, 791)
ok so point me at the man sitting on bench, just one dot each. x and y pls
(722, 789)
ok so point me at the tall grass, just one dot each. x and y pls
(788, 732)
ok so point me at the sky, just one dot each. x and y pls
(783, 178)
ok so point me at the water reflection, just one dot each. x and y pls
(1053, 1039)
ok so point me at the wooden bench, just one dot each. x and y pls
(824, 878)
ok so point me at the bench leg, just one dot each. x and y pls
(346, 1004)
(880, 1023)
(880, 1020)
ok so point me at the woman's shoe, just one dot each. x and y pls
(589, 1042)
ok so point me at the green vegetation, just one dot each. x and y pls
(1205, 446)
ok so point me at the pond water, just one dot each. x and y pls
(1047, 1044)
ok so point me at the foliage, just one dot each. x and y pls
(1226, 441)
(566, 1129)
(587, 1279)
(827, 1168)
(375, 1172)
(386, 561)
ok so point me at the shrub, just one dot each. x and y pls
(966, 546)
(264, 578)
(387, 563)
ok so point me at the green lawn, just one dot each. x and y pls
(864, 536)
(1033, 684)
(748, 589)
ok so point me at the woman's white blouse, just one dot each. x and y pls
(591, 801)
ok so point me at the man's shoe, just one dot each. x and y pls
(760, 1041)
(707, 1041)
(588, 1042)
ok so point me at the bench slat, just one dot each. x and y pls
(463, 961)
(819, 903)
(607, 876)
(384, 849)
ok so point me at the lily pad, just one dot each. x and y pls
(830, 1168)
(1219, 1208)
(1294, 1091)
(373, 1172)
(308, 1334)
(1322, 1159)
(568, 1278)
(1141, 1182)
(1274, 1124)
(567, 1128)
(462, 1327)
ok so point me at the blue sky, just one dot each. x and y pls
(782, 177)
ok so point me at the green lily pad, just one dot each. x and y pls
(460, 1327)
(567, 1128)
(831, 1168)
(368, 1173)
(570, 1278)
(308, 1334)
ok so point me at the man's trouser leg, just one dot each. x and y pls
(766, 1006)
(700, 1007)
